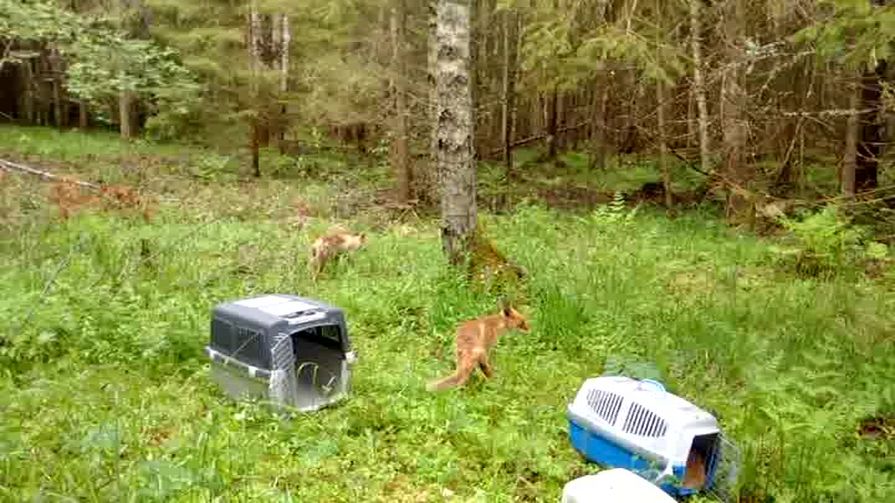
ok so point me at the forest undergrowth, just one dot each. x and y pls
(104, 389)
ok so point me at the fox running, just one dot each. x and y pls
(475, 338)
(332, 244)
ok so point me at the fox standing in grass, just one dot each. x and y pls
(475, 338)
(332, 244)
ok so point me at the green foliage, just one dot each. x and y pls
(102, 61)
(104, 67)
(853, 32)
(560, 50)
(616, 212)
(826, 242)
(663, 63)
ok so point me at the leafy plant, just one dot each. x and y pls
(615, 212)
(825, 242)
(103, 61)
(852, 32)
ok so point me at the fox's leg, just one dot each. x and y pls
(318, 263)
(465, 368)
(485, 365)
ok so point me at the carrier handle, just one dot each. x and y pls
(653, 382)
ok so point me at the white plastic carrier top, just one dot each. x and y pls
(613, 486)
(643, 416)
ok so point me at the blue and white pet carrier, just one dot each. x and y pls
(620, 422)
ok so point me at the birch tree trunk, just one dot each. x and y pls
(733, 121)
(699, 85)
(400, 149)
(282, 37)
(455, 128)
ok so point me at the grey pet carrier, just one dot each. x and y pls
(290, 350)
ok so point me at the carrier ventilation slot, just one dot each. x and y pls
(643, 422)
(283, 357)
(604, 404)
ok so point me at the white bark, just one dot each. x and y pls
(285, 40)
(733, 119)
(699, 84)
(455, 128)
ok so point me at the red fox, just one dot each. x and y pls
(474, 339)
(332, 244)
(694, 476)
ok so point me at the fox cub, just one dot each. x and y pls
(332, 244)
(475, 338)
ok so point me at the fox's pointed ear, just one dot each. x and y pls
(507, 311)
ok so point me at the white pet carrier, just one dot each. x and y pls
(620, 422)
(613, 486)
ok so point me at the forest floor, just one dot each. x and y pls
(104, 388)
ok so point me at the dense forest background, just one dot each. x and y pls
(696, 191)
(750, 93)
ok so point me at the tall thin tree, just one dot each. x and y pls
(699, 84)
(454, 128)
(400, 149)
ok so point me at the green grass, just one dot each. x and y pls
(104, 394)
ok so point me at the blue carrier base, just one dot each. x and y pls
(603, 451)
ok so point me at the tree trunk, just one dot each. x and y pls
(455, 129)
(284, 40)
(474, 45)
(872, 138)
(692, 127)
(83, 117)
(400, 150)
(663, 143)
(57, 71)
(507, 109)
(598, 124)
(254, 46)
(58, 106)
(125, 98)
(125, 118)
(552, 123)
(699, 85)
(661, 110)
(733, 104)
(28, 105)
(850, 157)
(427, 178)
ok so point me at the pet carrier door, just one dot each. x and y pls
(320, 366)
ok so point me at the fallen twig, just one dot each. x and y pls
(21, 168)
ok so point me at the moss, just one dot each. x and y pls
(490, 270)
